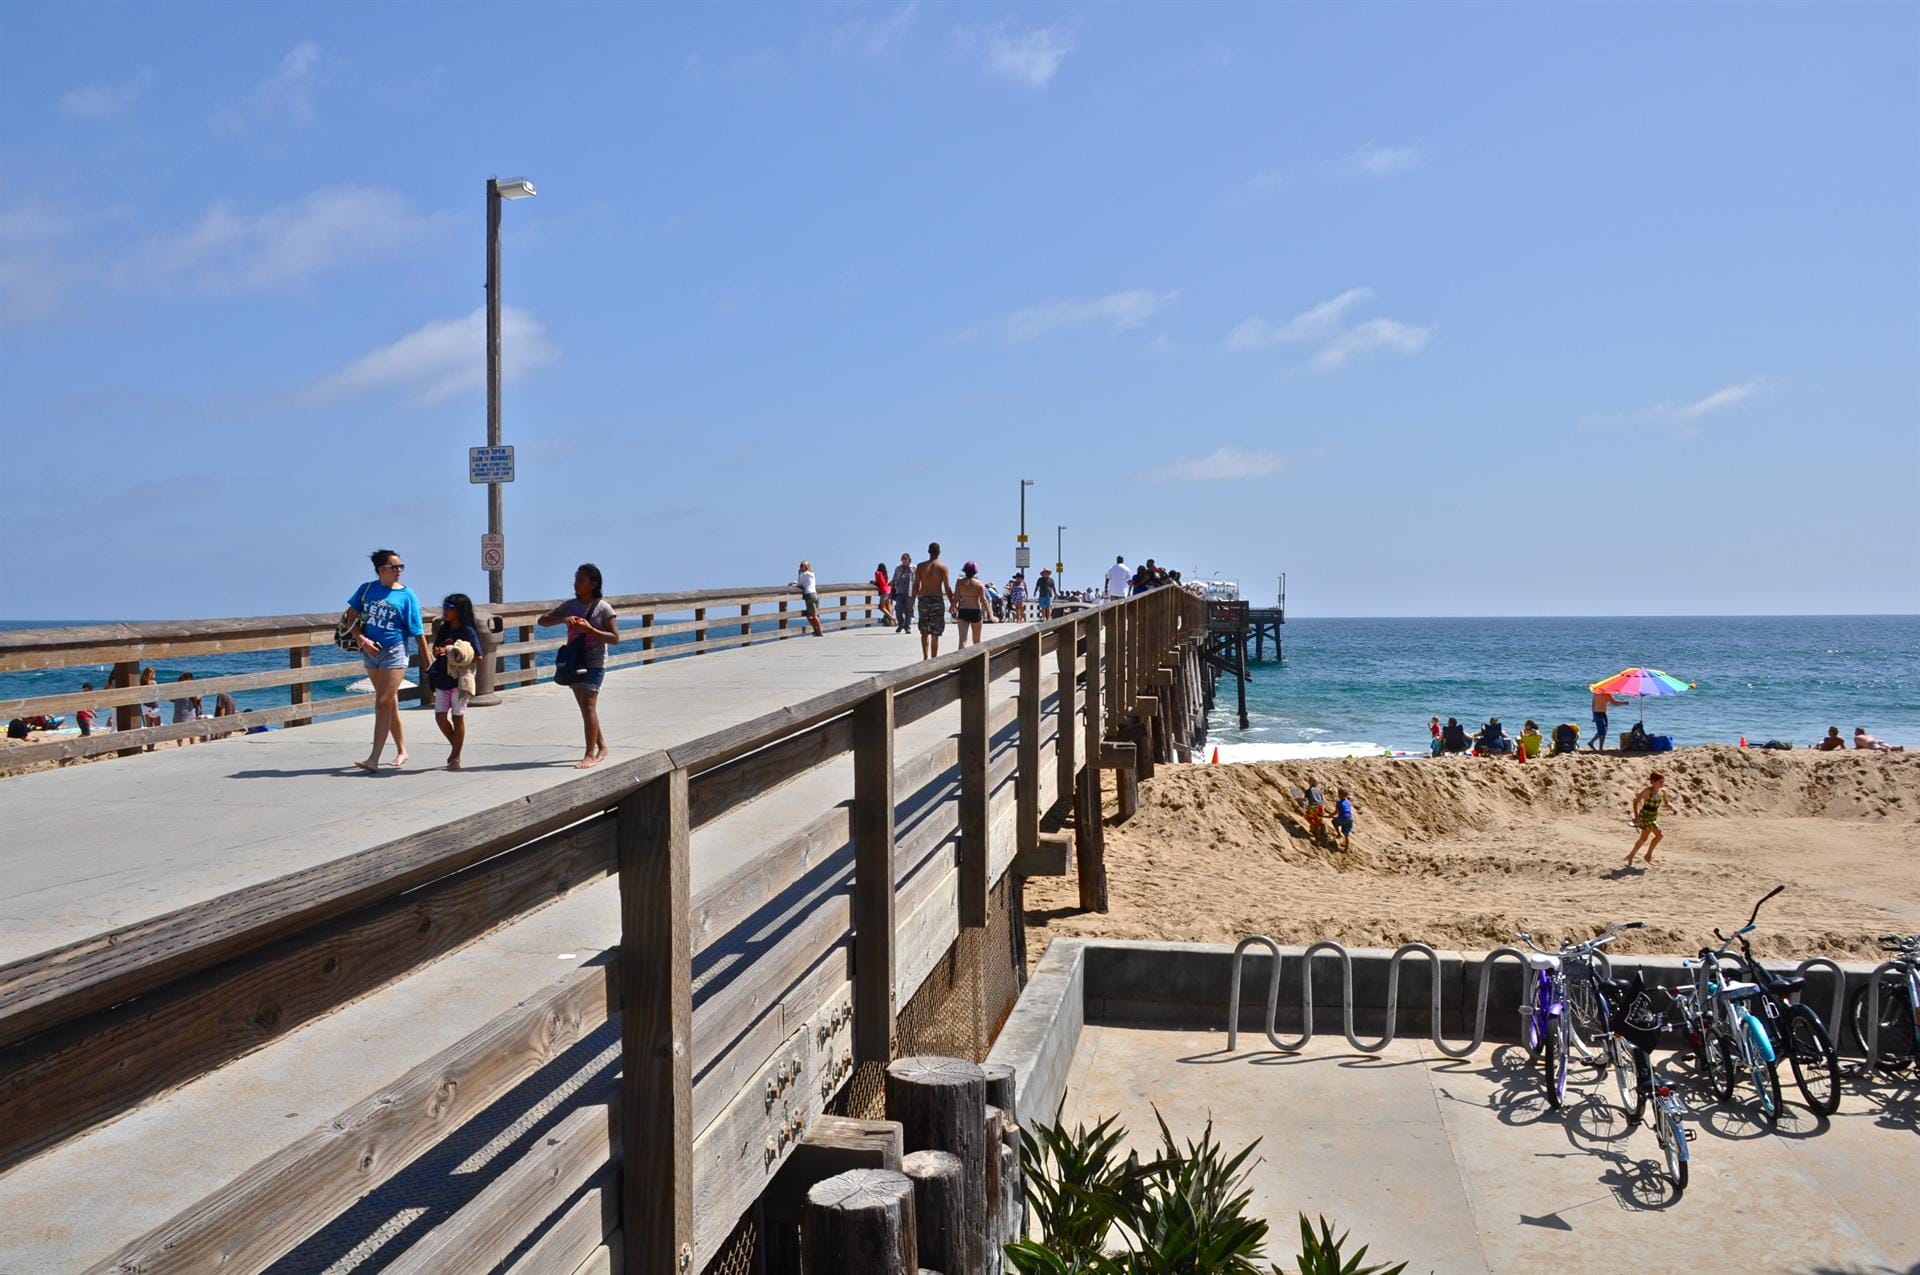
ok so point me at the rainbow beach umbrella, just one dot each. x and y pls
(1642, 682)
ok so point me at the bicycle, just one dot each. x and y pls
(1724, 1032)
(1564, 1012)
(1896, 1043)
(1636, 1027)
(1794, 1029)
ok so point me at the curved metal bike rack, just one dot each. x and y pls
(1346, 995)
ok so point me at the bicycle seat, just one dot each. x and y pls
(1619, 989)
(1789, 982)
(1542, 961)
(1734, 990)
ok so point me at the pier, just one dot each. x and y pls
(260, 1011)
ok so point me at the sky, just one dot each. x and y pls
(1438, 309)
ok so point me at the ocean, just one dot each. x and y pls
(1366, 687)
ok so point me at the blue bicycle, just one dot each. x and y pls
(1726, 1035)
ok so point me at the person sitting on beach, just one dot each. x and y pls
(1530, 741)
(1832, 741)
(1566, 738)
(1343, 819)
(1492, 740)
(1865, 741)
(1635, 740)
(1453, 738)
(186, 708)
(1645, 815)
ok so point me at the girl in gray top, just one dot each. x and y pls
(592, 627)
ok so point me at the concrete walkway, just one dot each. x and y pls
(89, 848)
(1460, 1167)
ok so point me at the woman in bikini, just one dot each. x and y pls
(1645, 814)
(969, 603)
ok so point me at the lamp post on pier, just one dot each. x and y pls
(1023, 556)
(512, 188)
(1059, 555)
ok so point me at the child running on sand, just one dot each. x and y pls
(1645, 814)
(1343, 819)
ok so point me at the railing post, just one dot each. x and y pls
(1089, 834)
(1110, 649)
(299, 657)
(873, 879)
(646, 639)
(783, 615)
(1066, 737)
(973, 791)
(656, 1030)
(1026, 779)
(746, 625)
(526, 657)
(700, 630)
(126, 716)
(842, 621)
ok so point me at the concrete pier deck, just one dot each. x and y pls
(1461, 1168)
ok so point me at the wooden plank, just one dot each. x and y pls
(1027, 789)
(64, 1081)
(487, 1229)
(1048, 858)
(909, 706)
(974, 792)
(17, 659)
(711, 750)
(248, 1224)
(577, 1234)
(1117, 755)
(873, 880)
(1066, 755)
(656, 1029)
(69, 747)
(298, 673)
(1145, 706)
(732, 784)
(64, 983)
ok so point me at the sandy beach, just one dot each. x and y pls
(1462, 852)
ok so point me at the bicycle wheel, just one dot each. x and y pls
(1816, 1068)
(1895, 1043)
(1717, 1063)
(1673, 1141)
(1621, 1058)
(1766, 1090)
(1553, 1065)
(1587, 1021)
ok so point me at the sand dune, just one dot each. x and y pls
(1462, 853)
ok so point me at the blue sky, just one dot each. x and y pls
(1479, 309)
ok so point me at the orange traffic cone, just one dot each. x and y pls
(1216, 757)
(1743, 741)
(1521, 750)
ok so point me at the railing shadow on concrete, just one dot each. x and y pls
(807, 951)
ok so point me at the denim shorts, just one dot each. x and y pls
(389, 657)
(589, 680)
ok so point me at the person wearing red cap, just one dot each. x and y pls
(969, 602)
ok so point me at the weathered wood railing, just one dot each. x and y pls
(754, 615)
(716, 1088)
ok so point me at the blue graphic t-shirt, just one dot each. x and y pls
(388, 616)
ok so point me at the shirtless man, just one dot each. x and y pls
(933, 591)
(1602, 701)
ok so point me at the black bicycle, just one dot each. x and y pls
(1898, 1040)
(1795, 1030)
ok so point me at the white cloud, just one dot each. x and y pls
(1373, 160)
(285, 96)
(104, 101)
(1727, 396)
(1326, 325)
(440, 360)
(1119, 310)
(1225, 464)
(228, 250)
(881, 36)
(1029, 58)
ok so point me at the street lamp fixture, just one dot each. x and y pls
(516, 188)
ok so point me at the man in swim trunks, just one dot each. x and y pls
(1645, 813)
(1602, 701)
(933, 590)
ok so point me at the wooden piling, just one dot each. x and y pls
(861, 1220)
(941, 1104)
(939, 1208)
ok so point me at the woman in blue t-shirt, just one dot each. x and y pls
(389, 615)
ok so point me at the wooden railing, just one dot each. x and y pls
(750, 615)
(715, 1090)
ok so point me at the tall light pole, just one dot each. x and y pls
(512, 188)
(1059, 555)
(1023, 556)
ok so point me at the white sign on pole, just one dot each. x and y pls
(493, 552)
(1023, 557)
(489, 464)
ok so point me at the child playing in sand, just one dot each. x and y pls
(1343, 819)
(1645, 815)
(1314, 806)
